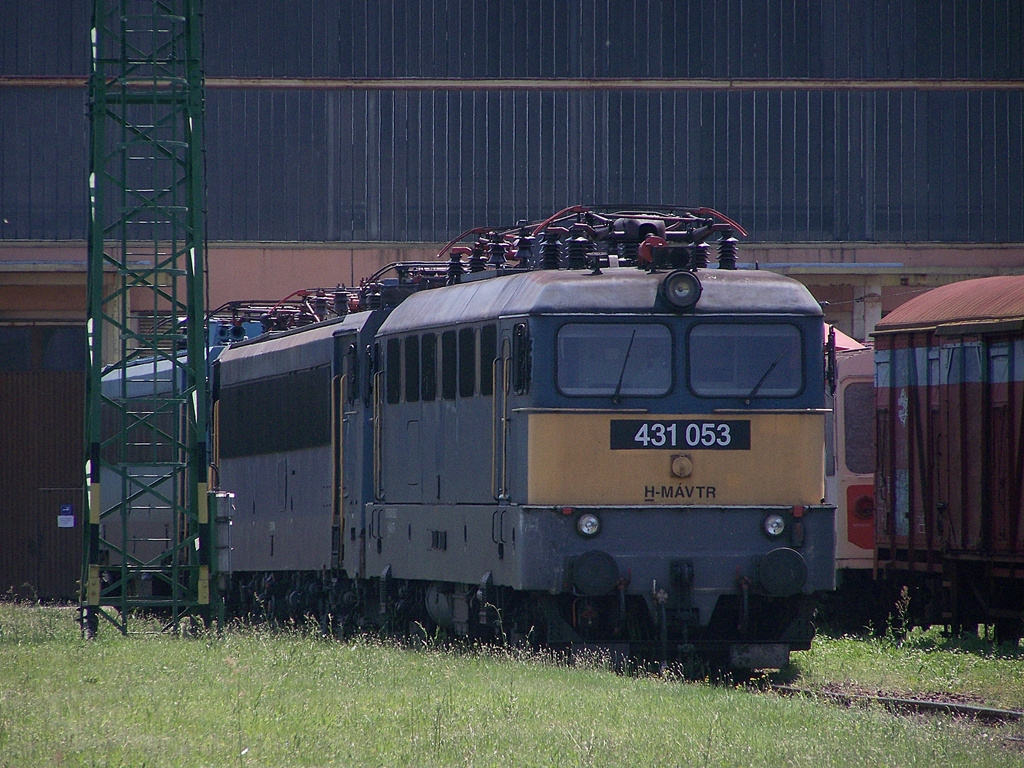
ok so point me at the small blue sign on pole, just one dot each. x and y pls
(66, 518)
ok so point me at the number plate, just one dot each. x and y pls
(696, 434)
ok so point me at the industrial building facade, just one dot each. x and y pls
(869, 148)
(409, 121)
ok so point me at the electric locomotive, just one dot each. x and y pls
(581, 435)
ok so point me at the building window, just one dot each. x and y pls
(42, 348)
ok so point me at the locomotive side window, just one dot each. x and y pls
(745, 360)
(614, 359)
(353, 373)
(467, 362)
(393, 371)
(521, 358)
(295, 413)
(859, 426)
(488, 351)
(429, 370)
(412, 369)
(449, 363)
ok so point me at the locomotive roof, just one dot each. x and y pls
(979, 301)
(300, 349)
(615, 290)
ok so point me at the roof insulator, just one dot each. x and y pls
(700, 255)
(727, 253)
(496, 255)
(477, 262)
(551, 249)
(578, 247)
(455, 267)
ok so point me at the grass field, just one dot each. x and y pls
(254, 697)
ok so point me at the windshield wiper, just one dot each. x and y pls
(764, 377)
(616, 399)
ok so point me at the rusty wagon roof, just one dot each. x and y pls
(984, 299)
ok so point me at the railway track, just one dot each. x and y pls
(905, 705)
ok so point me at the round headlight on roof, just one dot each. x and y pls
(681, 289)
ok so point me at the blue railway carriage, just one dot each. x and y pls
(291, 446)
(628, 455)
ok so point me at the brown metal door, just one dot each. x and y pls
(41, 482)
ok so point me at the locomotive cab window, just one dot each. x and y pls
(745, 360)
(614, 359)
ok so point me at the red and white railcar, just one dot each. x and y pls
(949, 400)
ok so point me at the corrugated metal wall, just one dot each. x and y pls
(44, 163)
(617, 38)
(791, 166)
(562, 38)
(791, 163)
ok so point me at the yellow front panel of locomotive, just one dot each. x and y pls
(572, 461)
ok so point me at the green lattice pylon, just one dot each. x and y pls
(147, 534)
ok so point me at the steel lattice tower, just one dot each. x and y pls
(147, 543)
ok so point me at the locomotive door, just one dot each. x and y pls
(855, 460)
(345, 404)
(499, 418)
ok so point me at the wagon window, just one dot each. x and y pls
(614, 358)
(859, 427)
(737, 359)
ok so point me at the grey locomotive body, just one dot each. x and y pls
(623, 457)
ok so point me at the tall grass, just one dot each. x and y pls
(970, 669)
(256, 697)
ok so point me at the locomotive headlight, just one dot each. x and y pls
(681, 289)
(588, 524)
(774, 525)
